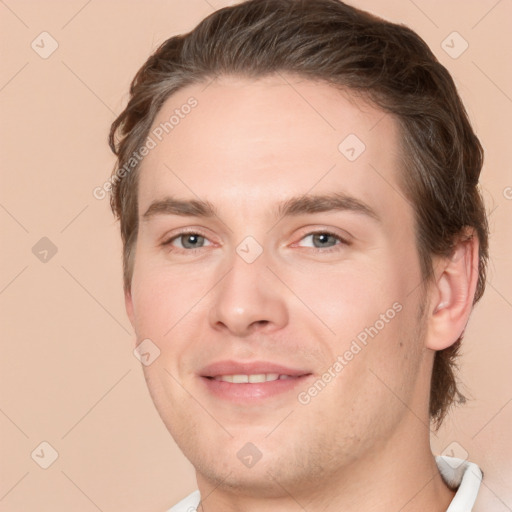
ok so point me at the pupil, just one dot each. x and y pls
(322, 238)
(191, 241)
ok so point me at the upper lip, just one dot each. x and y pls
(252, 368)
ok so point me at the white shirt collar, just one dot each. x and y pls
(461, 474)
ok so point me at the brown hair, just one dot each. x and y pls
(387, 64)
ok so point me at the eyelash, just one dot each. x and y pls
(334, 248)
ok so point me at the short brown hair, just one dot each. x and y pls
(387, 64)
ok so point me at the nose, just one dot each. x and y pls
(249, 299)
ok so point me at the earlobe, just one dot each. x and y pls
(454, 291)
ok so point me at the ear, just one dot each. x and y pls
(452, 293)
(128, 303)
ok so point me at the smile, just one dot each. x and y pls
(250, 382)
(252, 379)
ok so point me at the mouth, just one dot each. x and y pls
(251, 379)
(248, 382)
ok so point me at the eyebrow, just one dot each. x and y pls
(294, 206)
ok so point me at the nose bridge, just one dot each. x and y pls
(246, 296)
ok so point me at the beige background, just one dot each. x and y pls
(68, 374)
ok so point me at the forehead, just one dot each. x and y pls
(245, 140)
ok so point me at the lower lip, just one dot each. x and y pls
(252, 391)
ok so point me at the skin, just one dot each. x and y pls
(362, 443)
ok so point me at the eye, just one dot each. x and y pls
(188, 241)
(322, 240)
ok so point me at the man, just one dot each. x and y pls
(304, 239)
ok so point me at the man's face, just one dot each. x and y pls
(276, 283)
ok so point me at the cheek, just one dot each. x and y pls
(346, 300)
(371, 317)
(162, 296)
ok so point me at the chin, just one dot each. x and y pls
(265, 481)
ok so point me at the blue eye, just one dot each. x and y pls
(323, 239)
(188, 241)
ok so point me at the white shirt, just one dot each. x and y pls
(457, 473)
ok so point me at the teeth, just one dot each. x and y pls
(256, 378)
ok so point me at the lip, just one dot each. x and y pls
(252, 368)
(248, 393)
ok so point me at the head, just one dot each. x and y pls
(253, 76)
